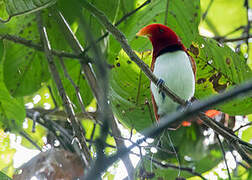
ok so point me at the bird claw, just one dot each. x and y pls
(159, 83)
(182, 108)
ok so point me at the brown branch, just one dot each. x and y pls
(242, 126)
(77, 48)
(77, 128)
(207, 10)
(30, 44)
(172, 166)
(77, 91)
(166, 12)
(126, 16)
(224, 157)
(224, 40)
(119, 36)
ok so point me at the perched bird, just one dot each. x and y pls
(172, 64)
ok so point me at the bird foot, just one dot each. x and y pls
(182, 108)
(159, 83)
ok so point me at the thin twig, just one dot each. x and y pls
(224, 155)
(247, 29)
(223, 39)
(242, 126)
(207, 10)
(123, 41)
(119, 36)
(29, 43)
(26, 136)
(53, 98)
(166, 12)
(77, 128)
(77, 48)
(179, 116)
(77, 91)
(104, 107)
(126, 16)
(92, 135)
(166, 165)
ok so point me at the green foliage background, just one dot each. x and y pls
(24, 71)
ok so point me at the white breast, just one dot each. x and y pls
(176, 71)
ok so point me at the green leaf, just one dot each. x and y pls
(219, 69)
(4, 176)
(130, 92)
(11, 109)
(18, 7)
(25, 69)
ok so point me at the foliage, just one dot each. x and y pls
(27, 85)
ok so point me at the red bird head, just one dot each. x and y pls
(161, 37)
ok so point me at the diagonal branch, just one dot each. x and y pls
(167, 120)
(123, 41)
(77, 128)
(29, 43)
(87, 69)
(224, 155)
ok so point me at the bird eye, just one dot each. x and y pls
(161, 30)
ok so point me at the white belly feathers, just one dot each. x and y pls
(176, 71)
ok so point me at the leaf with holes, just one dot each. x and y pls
(219, 69)
(130, 92)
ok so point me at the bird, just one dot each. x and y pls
(172, 65)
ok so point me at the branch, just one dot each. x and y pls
(28, 138)
(242, 126)
(77, 91)
(77, 48)
(126, 16)
(167, 120)
(166, 12)
(224, 157)
(122, 40)
(29, 43)
(166, 165)
(77, 128)
(119, 36)
(223, 39)
(207, 10)
(247, 29)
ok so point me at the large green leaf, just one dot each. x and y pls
(12, 111)
(218, 69)
(24, 68)
(130, 92)
(18, 7)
